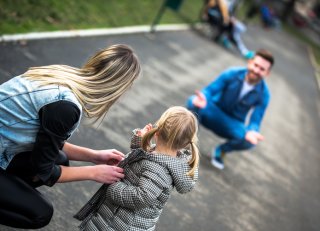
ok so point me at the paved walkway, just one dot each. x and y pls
(274, 187)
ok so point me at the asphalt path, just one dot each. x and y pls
(273, 187)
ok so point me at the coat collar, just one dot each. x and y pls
(258, 87)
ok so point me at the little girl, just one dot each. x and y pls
(151, 172)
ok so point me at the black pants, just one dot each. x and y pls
(227, 30)
(21, 205)
(222, 29)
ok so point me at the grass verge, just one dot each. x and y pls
(20, 16)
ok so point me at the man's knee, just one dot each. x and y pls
(222, 125)
(247, 145)
(237, 145)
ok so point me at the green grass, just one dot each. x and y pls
(20, 16)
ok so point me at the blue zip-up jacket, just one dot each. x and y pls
(225, 90)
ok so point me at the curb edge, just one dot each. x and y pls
(90, 32)
(314, 64)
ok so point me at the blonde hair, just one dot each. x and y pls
(177, 128)
(99, 83)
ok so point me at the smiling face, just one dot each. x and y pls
(258, 68)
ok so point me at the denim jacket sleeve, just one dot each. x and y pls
(214, 89)
(258, 112)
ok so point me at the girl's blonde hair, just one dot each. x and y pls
(177, 128)
(99, 83)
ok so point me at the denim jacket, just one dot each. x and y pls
(225, 90)
(20, 102)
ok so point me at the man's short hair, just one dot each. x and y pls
(267, 55)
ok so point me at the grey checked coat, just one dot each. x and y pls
(136, 202)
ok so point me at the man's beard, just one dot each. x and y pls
(253, 77)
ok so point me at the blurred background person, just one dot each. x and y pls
(219, 14)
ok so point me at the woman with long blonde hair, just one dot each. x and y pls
(40, 110)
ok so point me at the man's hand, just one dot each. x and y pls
(200, 100)
(253, 137)
(109, 156)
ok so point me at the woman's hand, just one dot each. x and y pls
(107, 174)
(108, 156)
(101, 173)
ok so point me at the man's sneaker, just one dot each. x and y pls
(217, 158)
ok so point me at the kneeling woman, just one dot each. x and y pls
(39, 111)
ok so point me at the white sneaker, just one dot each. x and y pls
(217, 158)
(217, 163)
